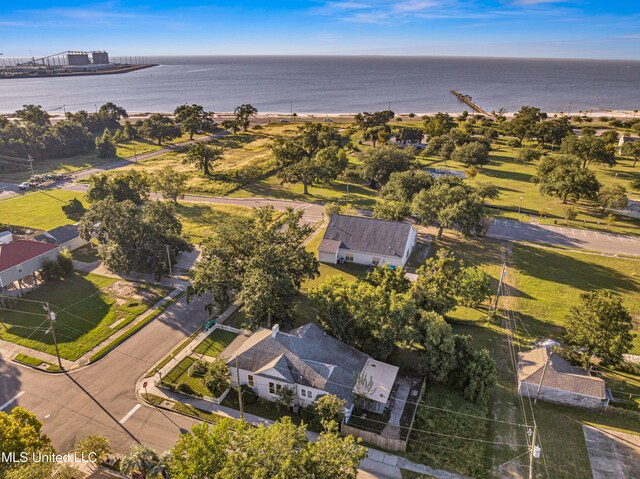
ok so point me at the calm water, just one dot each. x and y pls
(341, 85)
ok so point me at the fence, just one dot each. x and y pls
(388, 444)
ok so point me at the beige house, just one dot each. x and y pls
(309, 362)
(546, 376)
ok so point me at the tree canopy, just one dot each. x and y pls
(193, 119)
(601, 325)
(244, 113)
(589, 149)
(438, 124)
(204, 156)
(379, 163)
(260, 258)
(564, 177)
(129, 185)
(159, 128)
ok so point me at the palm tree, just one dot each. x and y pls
(142, 460)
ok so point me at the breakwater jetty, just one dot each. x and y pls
(469, 101)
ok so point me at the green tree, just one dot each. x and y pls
(564, 178)
(217, 377)
(172, 184)
(130, 185)
(105, 145)
(312, 155)
(486, 190)
(94, 446)
(204, 156)
(613, 197)
(525, 123)
(481, 376)
(409, 135)
(437, 355)
(611, 137)
(404, 185)
(193, 119)
(601, 325)
(438, 124)
(589, 149)
(158, 127)
(379, 163)
(635, 184)
(450, 203)
(436, 287)
(391, 210)
(553, 131)
(390, 280)
(198, 369)
(368, 317)
(140, 460)
(474, 286)
(475, 153)
(243, 114)
(285, 397)
(528, 155)
(33, 114)
(245, 253)
(327, 409)
(21, 432)
(632, 150)
(377, 120)
(135, 238)
(232, 125)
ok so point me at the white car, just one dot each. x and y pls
(24, 185)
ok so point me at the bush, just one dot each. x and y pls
(198, 369)
(50, 270)
(514, 143)
(65, 262)
(186, 388)
(248, 394)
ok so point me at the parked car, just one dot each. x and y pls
(328, 120)
(24, 185)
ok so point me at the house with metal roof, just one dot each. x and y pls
(368, 241)
(546, 376)
(66, 237)
(22, 258)
(312, 364)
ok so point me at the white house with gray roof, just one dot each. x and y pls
(368, 241)
(311, 363)
(546, 376)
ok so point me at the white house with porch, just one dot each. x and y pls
(309, 362)
(20, 259)
(368, 241)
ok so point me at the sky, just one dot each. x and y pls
(607, 29)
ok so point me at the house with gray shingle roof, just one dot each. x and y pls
(310, 362)
(66, 237)
(546, 376)
(368, 241)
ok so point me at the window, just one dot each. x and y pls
(303, 393)
(272, 388)
(20, 268)
(348, 257)
(310, 394)
(250, 380)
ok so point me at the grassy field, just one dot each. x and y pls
(180, 374)
(549, 283)
(89, 309)
(88, 160)
(38, 210)
(199, 220)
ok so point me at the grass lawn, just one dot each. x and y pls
(199, 220)
(549, 283)
(38, 210)
(180, 374)
(86, 254)
(514, 181)
(89, 309)
(215, 343)
(87, 160)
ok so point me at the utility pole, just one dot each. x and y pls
(502, 276)
(534, 451)
(30, 160)
(169, 263)
(52, 320)
(239, 391)
(520, 209)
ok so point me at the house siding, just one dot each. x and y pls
(331, 258)
(73, 244)
(28, 267)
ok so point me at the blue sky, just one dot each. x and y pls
(530, 28)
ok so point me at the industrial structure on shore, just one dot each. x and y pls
(70, 63)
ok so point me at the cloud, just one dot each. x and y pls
(528, 3)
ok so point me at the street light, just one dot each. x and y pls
(520, 209)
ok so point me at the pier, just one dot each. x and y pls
(469, 101)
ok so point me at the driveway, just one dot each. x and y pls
(564, 236)
(613, 454)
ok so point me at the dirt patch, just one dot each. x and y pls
(125, 292)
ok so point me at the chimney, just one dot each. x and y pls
(275, 330)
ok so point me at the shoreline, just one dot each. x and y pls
(301, 116)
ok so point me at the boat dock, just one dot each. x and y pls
(469, 101)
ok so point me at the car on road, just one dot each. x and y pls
(25, 185)
(328, 120)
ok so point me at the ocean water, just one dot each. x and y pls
(341, 84)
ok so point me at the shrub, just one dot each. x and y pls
(514, 143)
(65, 262)
(50, 270)
(570, 213)
(248, 395)
(186, 388)
(198, 369)
(217, 376)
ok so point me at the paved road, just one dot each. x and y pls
(567, 237)
(101, 399)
